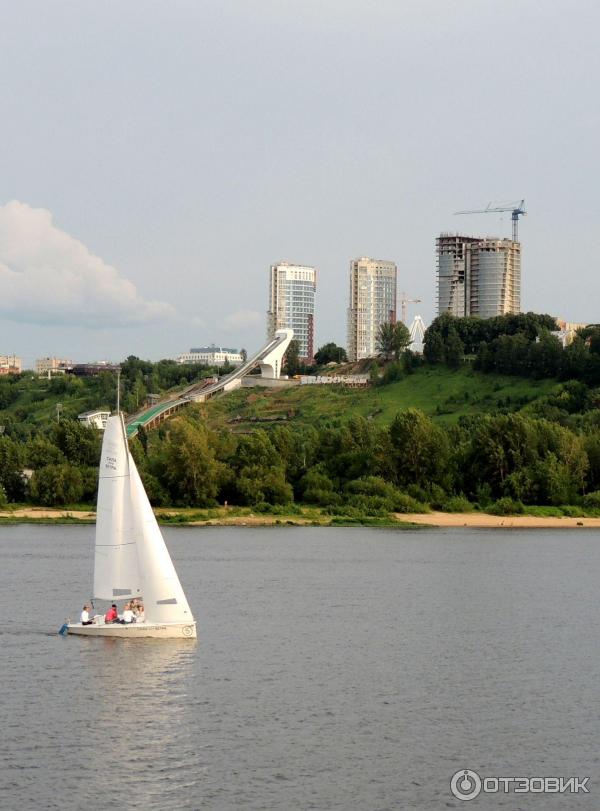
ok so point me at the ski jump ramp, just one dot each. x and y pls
(269, 359)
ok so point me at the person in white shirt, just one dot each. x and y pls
(140, 616)
(127, 614)
(85, 615)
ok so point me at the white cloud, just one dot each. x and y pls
(48, 277)
(242, 319)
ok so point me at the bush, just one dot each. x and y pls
(373, 492)
(347, 511)
(591, 501)
(457, 504)
(371, 505)
(570, 511)
(506, 506)
(404, 503)
(3, 498)
(276, 509)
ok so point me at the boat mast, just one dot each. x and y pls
(119, 390)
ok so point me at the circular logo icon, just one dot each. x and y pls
(465, 784)
(188, 630)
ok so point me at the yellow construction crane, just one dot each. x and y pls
(404, 301)
(516, 210)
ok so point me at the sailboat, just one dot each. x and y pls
(131, 558)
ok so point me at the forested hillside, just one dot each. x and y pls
(449, 432)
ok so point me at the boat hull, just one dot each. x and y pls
(137, 630)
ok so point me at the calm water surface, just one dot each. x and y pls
(335, 669)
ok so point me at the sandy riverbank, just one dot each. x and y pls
(34, 513)
(436, 519)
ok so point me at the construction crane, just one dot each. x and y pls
(515, 208)
(404, 301)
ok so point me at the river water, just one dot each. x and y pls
(353, 669)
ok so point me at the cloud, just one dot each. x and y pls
(242, 319)
(48, 277)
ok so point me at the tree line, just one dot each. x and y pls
(353, 467)
(521, 344)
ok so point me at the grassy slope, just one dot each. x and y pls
(443, 394)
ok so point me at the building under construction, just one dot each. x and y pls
(478, 276)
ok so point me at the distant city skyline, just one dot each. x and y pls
(152, 193)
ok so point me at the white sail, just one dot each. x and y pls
(116, 570)
(164, 599)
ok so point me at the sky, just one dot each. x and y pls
(159, 155)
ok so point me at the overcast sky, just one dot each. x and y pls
(158, 155)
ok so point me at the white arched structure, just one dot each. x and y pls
(270, 363)
(417, 334)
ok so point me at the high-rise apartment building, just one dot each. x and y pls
(372, 303)
(292, 291)
(478, 276)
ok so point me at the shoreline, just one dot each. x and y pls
(174, 517)
(486, 520)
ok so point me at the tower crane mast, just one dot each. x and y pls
(404, 301)
(516, 209)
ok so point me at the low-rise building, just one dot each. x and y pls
(46, 367)
(95, 419)
(211, 356)
(94, 369)
(567, 330)
(10, 365)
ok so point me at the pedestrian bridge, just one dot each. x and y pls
(269, 359)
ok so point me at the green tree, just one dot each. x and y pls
(291, 365)
(79, 443)
(420, 450)
(386, 340)
(317, 488)
(56, 485)
(11, 468)
(40, 451)
(187, 466)
(433, 346)
(330, 353)
(454, 350)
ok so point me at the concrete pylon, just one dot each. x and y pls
(270, 364)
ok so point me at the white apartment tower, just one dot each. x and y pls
(476, 276)
(373, 285)
(292, 291)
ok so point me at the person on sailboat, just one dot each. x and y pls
(127, 614)
(85, 615)
(111, 615)
(140, 616)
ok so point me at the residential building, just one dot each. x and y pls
(292, 291)
(373, 284)
(47, 367)
(211, 356)
(478, 276)
(10, 365)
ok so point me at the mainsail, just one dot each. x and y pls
(116, 571)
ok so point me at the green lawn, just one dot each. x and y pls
(443, 394)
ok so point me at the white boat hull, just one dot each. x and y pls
(137, 630)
